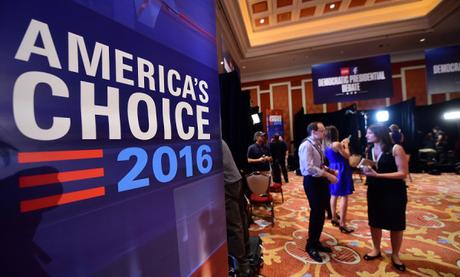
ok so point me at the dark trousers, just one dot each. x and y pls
(317, 191)
(237, 227)
(328, 208)
(276, 172)
(284, 169)
(278, 167)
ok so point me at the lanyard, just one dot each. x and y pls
(317, 149)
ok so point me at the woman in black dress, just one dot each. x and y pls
(386, 193)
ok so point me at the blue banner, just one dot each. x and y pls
(352, 80)
(443, 69)
(109, 138)
(275, 125)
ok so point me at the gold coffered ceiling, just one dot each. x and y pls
(272, 21)
(294, 33)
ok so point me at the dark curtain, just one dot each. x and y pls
(403, 115)
(347, 121)
(300, 130)
(236, 123)
(414, 122)
(427, 117)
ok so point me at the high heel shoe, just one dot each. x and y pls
(400, 267)
(346, 230)
(335, 222)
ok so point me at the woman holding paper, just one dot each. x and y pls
(387, 193)
(337, 154)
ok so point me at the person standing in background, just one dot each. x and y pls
(396, 135)
(316, 185)
(278, 149)
(338, 154)
(259, 155)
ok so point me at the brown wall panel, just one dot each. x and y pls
(264, 106)
(346, 104)
(253, 95)
(416, 85)
(331, 107)
(397, 91)
(281, 102)
(296, 100)
(371, 104)
(438, 98)
(455, 95)
(311, 107)
(396, 67)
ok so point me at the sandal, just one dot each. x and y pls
(346, 230)
(335, 222)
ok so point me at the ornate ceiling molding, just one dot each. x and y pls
(348, 27)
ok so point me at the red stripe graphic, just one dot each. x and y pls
(60, 199)
(35, 157)
(60, 177)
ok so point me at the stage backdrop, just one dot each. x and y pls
(443, 69)
(354, 80)
(109, 139)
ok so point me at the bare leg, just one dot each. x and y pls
(396, 241)
(376, 234)
(334, 207)
(343, 210)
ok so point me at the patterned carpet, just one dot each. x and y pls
(431, 245)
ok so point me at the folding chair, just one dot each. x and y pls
(277, 188)
(259, 185)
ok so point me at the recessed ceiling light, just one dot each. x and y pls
(222, 62)
(332, 6)
(261, 21)
(422, 39)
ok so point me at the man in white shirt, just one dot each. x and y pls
(316, 185)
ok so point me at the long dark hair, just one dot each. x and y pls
(332, 134)
(383, 135)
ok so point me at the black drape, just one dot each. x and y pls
(414, 122)
(403, 115)
(300, 130)
(236, 123)
(430, 116)
(347, 121)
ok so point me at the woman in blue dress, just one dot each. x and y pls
(338, 153)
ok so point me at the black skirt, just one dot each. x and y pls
(386, 204)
